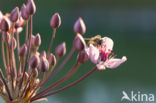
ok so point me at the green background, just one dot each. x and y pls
(132, 26)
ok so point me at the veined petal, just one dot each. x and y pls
(93, 54)
(114, 63)
(109, 43)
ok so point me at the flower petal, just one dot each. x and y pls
(100, 66)
(114, 63)
(109, 43)
(93, 54)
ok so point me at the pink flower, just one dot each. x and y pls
(101, 55)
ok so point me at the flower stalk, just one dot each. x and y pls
(52, 40)
(68, 86)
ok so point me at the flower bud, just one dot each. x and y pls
(23, 50)
(12, 43)
(24, 13)
(19, 23)
(79, 26)
(34, 61)
(79, 43)
(6, 36)
(61, 49)
(5, 24)
(35, 72)
(37, 40)
(32, 40)
(14, 14)
(31, 7)
(82, 56)
(44, 64)
(55, 21)
(43, 54)
(52, 59)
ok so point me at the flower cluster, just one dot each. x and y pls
(21, 83)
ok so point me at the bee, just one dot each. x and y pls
(96, 40)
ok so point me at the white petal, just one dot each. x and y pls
(87, 50)
(20, 29)
(100, 67)
(109, 43)
(114, 63)
(93, 54)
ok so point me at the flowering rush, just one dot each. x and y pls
(22, 81)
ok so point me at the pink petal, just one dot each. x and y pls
(93, 54)
(109, 43)
(114, 63)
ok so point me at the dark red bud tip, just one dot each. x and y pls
(34, 61)
(52, 59)
(79, 26)
(55, 21)
(24, 13)
(61, 49)
(14, 14)
(31, 7)
(5, 24)
(44, 64)
(23, 50)
(82, 56)
(79, 43)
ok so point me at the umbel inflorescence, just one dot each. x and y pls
(21, 83)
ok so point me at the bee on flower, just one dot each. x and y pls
(100, 53)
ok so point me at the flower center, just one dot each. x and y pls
(103, 54)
